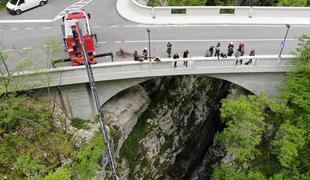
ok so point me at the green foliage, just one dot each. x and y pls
(79, 123)
(29, 144)
(61, 174)
(282, 135)
(3, 3)
(292, 2)
(245, 122)
(186, 2)
(289, 141)
(87, 158)
(230, 172)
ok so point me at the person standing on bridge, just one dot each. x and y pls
(217, 50)
(144, 52)
(241, 49)
(230, 50)
(209, 52)
(252, 53)
(237, 55)
(136, 56)
(175, 57)
(185, 56)
(169, 48)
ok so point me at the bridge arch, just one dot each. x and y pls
(77, 98)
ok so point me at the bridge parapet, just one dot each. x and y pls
(133, 11)
(134, 69)
(220, 10)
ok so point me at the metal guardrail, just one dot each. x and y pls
(135, 69)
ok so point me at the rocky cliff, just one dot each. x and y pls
(163, 128)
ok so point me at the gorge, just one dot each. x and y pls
(163, 128)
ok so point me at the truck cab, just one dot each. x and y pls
(77, 31)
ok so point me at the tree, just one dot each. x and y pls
(269, 138)
(245, 122)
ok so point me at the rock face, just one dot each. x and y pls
(162, 129)
(122, 112)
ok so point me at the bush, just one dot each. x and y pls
(3, 3)
(87, 158)
(29, 145)
(79, 123)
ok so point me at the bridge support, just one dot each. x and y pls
(76, 100)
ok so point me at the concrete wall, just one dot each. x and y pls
(215, 10)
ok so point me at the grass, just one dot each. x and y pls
(79, 123)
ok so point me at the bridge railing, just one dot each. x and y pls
(134, 69)
(220, 10)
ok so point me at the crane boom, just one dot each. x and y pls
(92, 84)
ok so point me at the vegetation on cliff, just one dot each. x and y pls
(267, 138)
(33, 146)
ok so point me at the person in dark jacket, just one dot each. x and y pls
(230, 50)
(209, 52)
(136, 55)
(169, 48)
(217, 50)
(185, 55)
(175, 57)
(252, 53)
(144, 52)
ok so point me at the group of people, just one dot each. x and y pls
(185, 55)
(137, 57)
(212, 51)
(230, 51)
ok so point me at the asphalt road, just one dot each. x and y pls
(22, 41)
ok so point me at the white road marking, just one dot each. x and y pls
(46, 27)
(114, 26)
(27, 21)
(75, 6)
(204, 40)
(29, 28)
(6, 50)
(102, 42)
(14, 29)
(26, 48)
(97, 27)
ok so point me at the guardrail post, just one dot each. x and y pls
(150, 65)
(193, 63)
(153, 12)
(251, 12)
